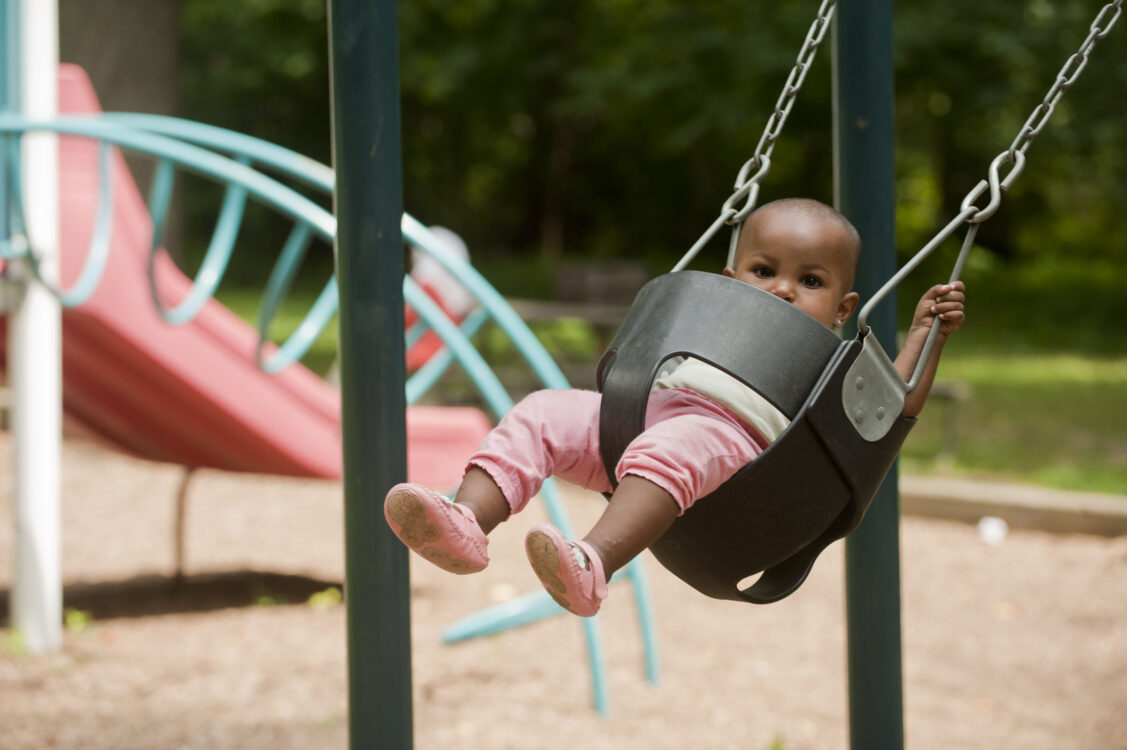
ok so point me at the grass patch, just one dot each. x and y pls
(1057, 305)
(246, 303)
(1048, 419)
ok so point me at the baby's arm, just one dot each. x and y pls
(945, 301)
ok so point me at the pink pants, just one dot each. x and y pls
(691, 445)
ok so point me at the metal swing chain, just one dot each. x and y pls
(1067, 76)
(1014, 156)
(748, 187)
(756, 168)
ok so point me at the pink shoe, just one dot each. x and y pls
(443, 532)
(570, 571)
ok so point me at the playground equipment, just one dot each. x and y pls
(189, 393)
(456, 302)
(190, 382)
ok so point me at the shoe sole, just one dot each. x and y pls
(545, 560)
(416, 530)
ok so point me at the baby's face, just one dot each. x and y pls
(802, 259)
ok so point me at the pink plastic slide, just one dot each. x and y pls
(192, 394)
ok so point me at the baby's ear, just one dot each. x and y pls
(847, 306)
(729, 272)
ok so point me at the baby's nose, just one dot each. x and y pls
(783, 289)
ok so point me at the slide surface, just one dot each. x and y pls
(191, 393)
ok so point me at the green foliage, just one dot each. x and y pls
(77, 620)
(246, 302)
(327, 599)
(1047, 419)
(612, 128)
(566, 338)
(14, 644)
(968, 76)
(259, 67)
(1064, 304)
(596, 127)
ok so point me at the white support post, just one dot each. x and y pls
(35, 350)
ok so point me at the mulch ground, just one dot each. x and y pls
(1021, 645)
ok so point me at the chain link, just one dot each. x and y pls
(756, 168)
(1100, 28)
(1013, 157)
(1015, 154)
(760, 162)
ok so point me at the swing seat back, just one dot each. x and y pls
(810, 487)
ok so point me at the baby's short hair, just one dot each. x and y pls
(818, 210)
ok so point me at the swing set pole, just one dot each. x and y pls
(364, 54)
(864, 187)
(29, 56)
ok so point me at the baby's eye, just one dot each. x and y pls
(763, 272)
(812, 282)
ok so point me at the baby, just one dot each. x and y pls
(702, 425)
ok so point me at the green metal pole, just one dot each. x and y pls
(363, 37)
(9, 55)
(865, 192)
(9, 89)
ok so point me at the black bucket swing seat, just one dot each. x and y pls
(813, 484)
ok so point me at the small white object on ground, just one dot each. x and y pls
(993, 530)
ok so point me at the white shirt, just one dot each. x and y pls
(749, 406)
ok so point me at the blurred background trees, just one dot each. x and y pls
(614, 127)
(549, 132)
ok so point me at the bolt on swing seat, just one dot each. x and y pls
(808, 488)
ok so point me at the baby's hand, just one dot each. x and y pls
(945, 301)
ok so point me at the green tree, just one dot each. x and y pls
(614, 128)
(968, 77)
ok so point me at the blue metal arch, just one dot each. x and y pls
(230, 159)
